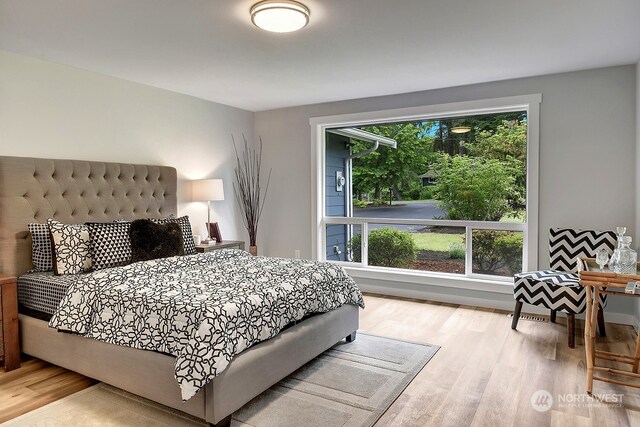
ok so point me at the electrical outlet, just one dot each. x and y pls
(297, 253)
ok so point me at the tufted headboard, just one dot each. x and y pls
(74, 191)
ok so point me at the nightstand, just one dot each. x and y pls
(9, 341)
(223, 244)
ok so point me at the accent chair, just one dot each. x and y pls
(558, 288)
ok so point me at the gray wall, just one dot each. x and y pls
(56, 111)
(587, 153)
(637, 234)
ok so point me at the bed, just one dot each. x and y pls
(32, 190)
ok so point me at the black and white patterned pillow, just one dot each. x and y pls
(40, 247)
(187, 234)
(110, 244)
(71, 254)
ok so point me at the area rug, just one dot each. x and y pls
(349, 385)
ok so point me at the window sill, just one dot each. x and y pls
(475, 283)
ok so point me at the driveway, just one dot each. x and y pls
(405, 210)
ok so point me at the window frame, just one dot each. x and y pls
(528, 103)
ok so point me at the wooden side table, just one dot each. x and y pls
(223, 244)
(9, 339)
(606, 283)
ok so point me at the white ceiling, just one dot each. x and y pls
(350, 49)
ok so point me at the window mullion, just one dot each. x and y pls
(468, 255)
(364, 250)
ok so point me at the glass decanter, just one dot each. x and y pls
(627, 257)
(613, 261)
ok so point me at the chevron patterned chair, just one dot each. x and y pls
(558, 289)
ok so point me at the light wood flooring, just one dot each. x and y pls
(484, 374)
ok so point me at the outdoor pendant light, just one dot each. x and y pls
(280, 16)
(460, 129)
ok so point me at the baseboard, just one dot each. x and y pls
(399, 290)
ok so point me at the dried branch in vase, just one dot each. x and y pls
(248, 187)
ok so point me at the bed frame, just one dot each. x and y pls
(72, 191)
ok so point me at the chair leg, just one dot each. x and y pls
(601, 328)
(516, 315)
(571, 330)
(553, 316)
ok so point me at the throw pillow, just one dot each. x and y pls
(70, 243)
(187, 234)
(150, 240)
(40, 247)
(110, 244)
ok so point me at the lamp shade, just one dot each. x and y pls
(207, 190)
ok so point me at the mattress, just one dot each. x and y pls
(43, 291)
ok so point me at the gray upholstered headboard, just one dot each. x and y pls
(74, 191)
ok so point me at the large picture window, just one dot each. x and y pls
(447, 193)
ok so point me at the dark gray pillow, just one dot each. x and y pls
(150, 240)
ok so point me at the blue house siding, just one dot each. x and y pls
(337, 152)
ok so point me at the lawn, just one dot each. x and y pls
(519, 217)
(436, 241)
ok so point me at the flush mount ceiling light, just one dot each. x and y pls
(460, 129)
(280, 16)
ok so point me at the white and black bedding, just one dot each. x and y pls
(42, 291)
(202, 309)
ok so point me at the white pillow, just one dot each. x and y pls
(71, 254)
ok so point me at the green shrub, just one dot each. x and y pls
(411, 194)
(357, 203)
(473, 188)
(388, 247)
(493, 249)
(426, 193)
(457, 251)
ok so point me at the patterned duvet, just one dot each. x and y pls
(203, 309)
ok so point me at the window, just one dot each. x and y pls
(446, 190)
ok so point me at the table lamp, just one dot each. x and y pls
(207, 190)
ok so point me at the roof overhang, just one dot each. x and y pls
(363, 135)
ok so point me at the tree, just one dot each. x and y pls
(508, 145)
(396, 169)
(501, 138)
(475, 189)
(452, 143)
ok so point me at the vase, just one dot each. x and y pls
(253, 250)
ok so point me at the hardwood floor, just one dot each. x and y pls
(484, 374)
(35, 384)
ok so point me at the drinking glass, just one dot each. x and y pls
(601, 258)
